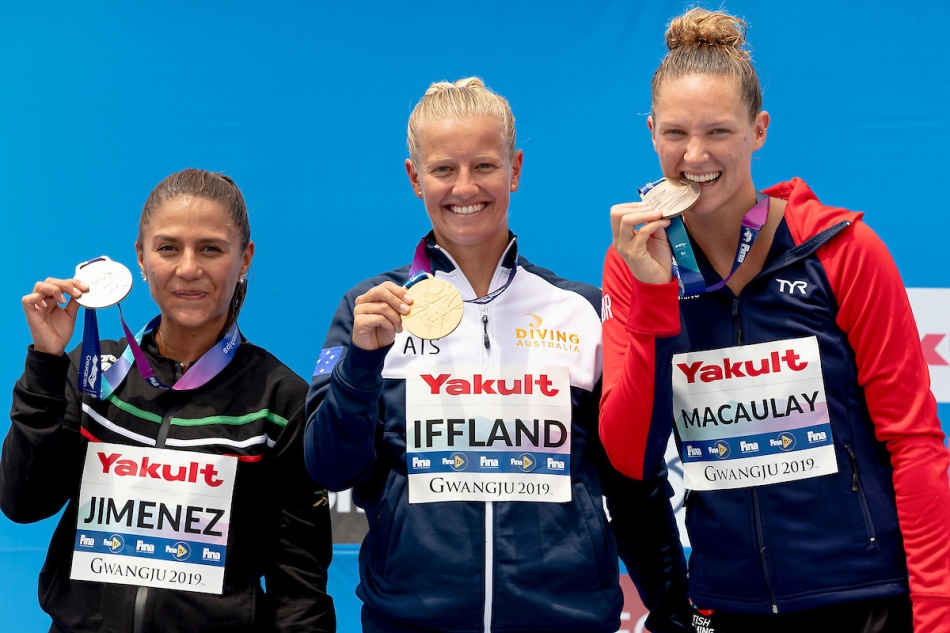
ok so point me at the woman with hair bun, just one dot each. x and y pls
(774, 334)
(178, 451)
(458, 397)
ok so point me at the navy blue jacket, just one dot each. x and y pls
(498, 566)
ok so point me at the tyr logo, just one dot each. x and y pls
(791, 286)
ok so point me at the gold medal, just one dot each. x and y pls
(436, 309)
(672, 198)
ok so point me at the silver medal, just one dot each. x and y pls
(109, 282)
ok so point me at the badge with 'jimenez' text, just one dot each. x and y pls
(153, 517)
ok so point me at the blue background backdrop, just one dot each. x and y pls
(304, 104)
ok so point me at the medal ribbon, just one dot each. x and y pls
(686, 269)
(421, 268)
(100, 385)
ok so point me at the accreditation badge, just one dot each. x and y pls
(154, 517)
(488, 433)
(752, 415)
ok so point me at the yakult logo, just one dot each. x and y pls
(114, 463)
(775, 362)
(528, 384)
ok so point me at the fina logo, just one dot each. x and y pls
(115, 543)
(458, 461)
(787, 441)
(528, 462)
(722, 449)
(182, 551)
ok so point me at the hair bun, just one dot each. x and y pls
(467, 82)
(698, 26)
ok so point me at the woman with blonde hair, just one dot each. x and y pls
(458, 396)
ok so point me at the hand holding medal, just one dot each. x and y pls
(100, 282)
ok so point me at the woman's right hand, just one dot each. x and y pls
(377, 317)
(50, 324)
(640, 238)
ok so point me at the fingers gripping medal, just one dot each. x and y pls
(109, 282)
(436, 308)
(670, 198)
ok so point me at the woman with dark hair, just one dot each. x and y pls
(177, 451)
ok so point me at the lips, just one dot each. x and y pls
(468, 209)
(702, 178)
(190, 294)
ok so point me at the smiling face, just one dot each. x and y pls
(701, 131)
(193, 257)
(465, 177)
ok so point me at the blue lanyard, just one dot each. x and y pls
(100, 385)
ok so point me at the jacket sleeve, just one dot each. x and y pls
(343, 413)
(875, 312)
(296, 575)
(643, 523)
(636, 409)
(44, 442)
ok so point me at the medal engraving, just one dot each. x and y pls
(436, 309)
(672, 198)
(109, 282)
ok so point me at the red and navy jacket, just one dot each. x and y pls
(884, 518)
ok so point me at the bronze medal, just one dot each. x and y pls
(672, 198)
(436, 309)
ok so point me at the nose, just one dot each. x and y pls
(695, 153)
(465, 185)
(188, 266)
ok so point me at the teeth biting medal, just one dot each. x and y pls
(670, 197)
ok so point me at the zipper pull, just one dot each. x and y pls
(485, 325)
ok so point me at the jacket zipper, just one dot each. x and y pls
(762, 557)
(141, 594)
(766, 575)
(859, 491)
(489, 566)
(489, 509)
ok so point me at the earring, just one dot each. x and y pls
(144, 276)
(243, 278)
